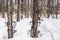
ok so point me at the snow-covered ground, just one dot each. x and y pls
(49, 29)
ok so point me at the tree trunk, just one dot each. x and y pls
(57, 9)
(28, 9)
(21, 9)
(34, 19)
(3, 8)
(49, 9)
(10, 28)
(18, 14)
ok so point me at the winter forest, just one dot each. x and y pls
(29, 19)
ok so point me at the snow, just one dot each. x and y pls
(3, 29)
(49, 29)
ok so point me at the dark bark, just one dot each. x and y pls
(49, 8)
(57, 8)
(34, 19)
(18, 14)
(3, 8)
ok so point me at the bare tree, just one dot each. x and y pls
(24, 8)
(0, 5)
(3, 8)
(40, 7)
(49, 9)
(21, 9)
(57, 8)
(28, 9)
(34, 19)
(31, 8)
(10, 28)
(18, 11)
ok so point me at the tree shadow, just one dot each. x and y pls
(14, 31)
(47, 30)
(14, 23)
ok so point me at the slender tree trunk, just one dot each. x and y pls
(48, 11)
(25, 8)
(3, 8)
(57, 9)
(10, 28)
(40, 8)
(34, 19)
(0, 6)
(18, 14)
(21, 9)
(56, 15)
(28, 9)
(31, 8)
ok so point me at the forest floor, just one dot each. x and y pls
(49, 29)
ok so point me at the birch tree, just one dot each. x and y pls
(9, 12)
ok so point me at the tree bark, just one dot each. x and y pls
(18, 14)
(49, 9)
(21, 9)
(3, 8)
(34, 19)
(10, 28)
(57, 9)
